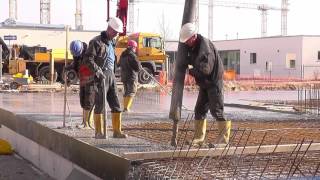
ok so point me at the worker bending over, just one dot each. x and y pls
(86, 94)
(206, 67)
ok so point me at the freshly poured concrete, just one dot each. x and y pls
(47, 110)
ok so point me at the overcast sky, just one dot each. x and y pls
(303, 16)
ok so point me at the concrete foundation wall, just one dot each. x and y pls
(52, 151)
(49, 162)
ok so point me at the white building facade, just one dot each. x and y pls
(48, 37)
(283, 57)
(280, 57)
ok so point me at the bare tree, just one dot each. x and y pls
(164, 27)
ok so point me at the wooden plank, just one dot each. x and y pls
(218, 151)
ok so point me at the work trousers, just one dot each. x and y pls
(87, 96)
(130, 88)
(111, 93)
(210, 98)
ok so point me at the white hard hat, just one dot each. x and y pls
(116, 24)
(187, 31)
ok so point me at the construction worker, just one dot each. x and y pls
(130, 66)
(101, 60)
(206, 67)
(78, 50)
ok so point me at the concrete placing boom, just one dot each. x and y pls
(150, 50)
(178, 82)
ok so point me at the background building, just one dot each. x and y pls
(48, 35)
(280, 57)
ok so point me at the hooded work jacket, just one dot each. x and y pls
(207, 65)
(130, 66)
(97, 52)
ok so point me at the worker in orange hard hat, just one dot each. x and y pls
(101, 60)
(130, 66)
(206, 67)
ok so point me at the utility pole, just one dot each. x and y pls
(65, 77)
(78, 15)
(284, 13)
(45, 11)
(210, 19)
(1, 64)
(13, 13)
(131, 16)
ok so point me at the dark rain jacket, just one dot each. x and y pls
(97, 52)
(206, 62)
(130, 66)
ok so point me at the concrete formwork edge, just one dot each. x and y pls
(101, 163)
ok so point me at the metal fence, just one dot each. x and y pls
(309, 99)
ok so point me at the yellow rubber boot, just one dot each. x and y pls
(90, 120)
(130, 100)
(98, 121)
(85, 118)
(127, 103)
(200, 127)
(116, 125)
(5, 147)
(224, 130)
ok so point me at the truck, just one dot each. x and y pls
(150, 50)
(36, 59)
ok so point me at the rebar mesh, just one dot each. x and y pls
(298, 161)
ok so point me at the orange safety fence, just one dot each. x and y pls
(163, 77)
(229, 75)
(189, 80)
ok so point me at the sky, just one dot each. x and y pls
(229, 23)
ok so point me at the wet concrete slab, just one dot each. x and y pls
(149, 106)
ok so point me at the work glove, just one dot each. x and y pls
(193, 72)
(100, 75)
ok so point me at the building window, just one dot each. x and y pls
(253, 58)
(292, 63)
(318, 55)
(291, 60)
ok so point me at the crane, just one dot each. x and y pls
(264, 8)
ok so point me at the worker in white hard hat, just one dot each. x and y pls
(101, 60)
(206, 67)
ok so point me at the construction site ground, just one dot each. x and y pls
(149, 127)
(14, 167)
